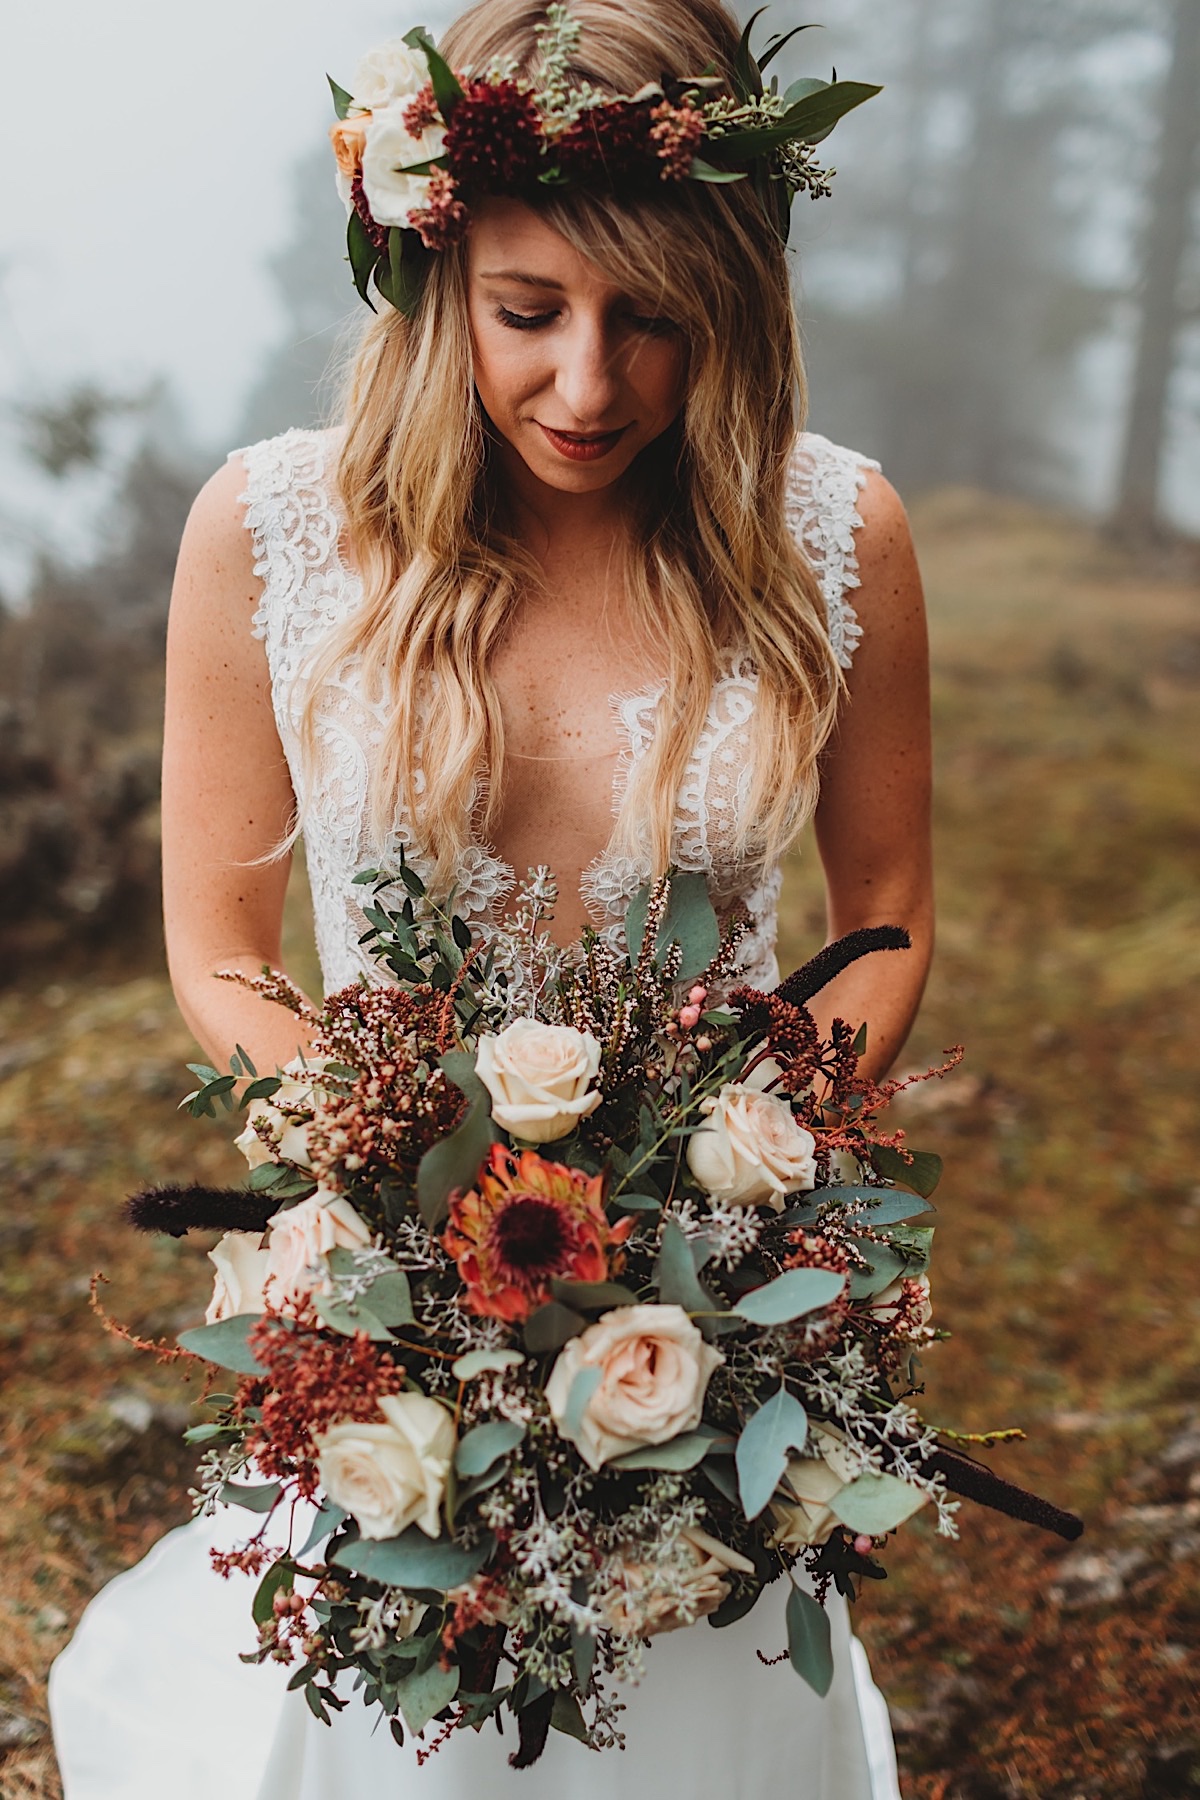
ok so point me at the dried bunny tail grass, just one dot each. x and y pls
(177, 1209)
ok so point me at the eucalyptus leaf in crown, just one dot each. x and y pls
(562, 1311)
(418, 144)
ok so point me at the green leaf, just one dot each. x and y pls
(734, 1607)
(777, 44)
(550, 1326)
(877, 1503)
(807, 122)
(327, 1520)
(678, 1282)
(400, 275)
(389, 1297)
(592, 1296)
(225, 1343)
(638, 1202)
(584, 1385)
(485, 1445)
(278, 1579)
(254, 1499)
(800, 90)
(885, 1265)
(704, 171)
(747, 78)
(413, 1560)
(348, 1319)
(362, 255)
(260, 1089)
(809, 1645)
(342, 101)
(922, 1174)
(762, 1450)
(635, 923)
(476, 1362)
(682, 1452)
(691, 922)
(584, 1645)
(422, 1696)
(859, 1046)
(567, 1717)
(447, 90)
(868, 1205)
(454, 1162)
(790, 1296)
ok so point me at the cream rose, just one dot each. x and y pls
(390, 147)
(298, 1092)
(241, 1265)
(815, 1483)
(655, 1368)
(301, 1238)
(391, 71)
(391, 1475)
(750, 1149)
(539, 1078)
(636, 1607)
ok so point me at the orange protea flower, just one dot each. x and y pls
(527, 1223)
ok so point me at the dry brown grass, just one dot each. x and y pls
(1069, 962)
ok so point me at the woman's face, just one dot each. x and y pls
(575, 378)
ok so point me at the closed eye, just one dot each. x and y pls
(519, 321)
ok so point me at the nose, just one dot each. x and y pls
(587, 379)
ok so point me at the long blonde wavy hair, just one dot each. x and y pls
(711, 565)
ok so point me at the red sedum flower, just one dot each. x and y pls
(527, 1223)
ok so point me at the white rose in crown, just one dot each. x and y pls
(654, 1371)
(540, 1078)
(241, 1265)
(388, 149)
(636, 1607)
(281, 1118)
(393, 1474)
(301, 1238)
(750, 1150)
(391, 71)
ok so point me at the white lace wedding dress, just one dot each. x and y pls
(150, 1701)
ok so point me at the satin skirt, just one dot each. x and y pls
(150, 1702)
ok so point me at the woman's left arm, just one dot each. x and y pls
(873, 820)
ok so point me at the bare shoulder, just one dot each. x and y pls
(215, 537)
(887, 560)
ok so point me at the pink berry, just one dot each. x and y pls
(863, 1544)
(671, 1028)
(699, 994)
(689, 1016)
(704, 1045)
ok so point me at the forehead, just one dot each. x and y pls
(510, 240)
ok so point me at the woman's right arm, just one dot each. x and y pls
(226, 792)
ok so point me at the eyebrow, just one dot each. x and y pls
(538, 281)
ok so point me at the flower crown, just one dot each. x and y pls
(416, 144)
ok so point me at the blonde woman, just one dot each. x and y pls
(567, 589)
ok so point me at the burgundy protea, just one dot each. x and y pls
(494, 140)
(610, 143)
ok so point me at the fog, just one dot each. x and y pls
(984, 297)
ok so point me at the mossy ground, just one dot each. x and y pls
(1068, 732)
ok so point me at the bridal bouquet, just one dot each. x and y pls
(572, 1300)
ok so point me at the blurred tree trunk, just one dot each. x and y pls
(1170, 200)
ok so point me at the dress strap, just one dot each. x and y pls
(294, 525)
(823, 485)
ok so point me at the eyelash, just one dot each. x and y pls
(534, 321)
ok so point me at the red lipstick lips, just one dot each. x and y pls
(579, 446)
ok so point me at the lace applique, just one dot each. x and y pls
(824, 482)
(307, 590)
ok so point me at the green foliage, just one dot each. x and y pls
(413, 1560)
(790, 1296)
(447, 90)
(877, 1503)
(225, 1343)
(920, 1170)
(342, 101)
(762, 1449)
(809, 1646)
(485, 1445)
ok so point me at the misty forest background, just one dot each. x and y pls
(1001, 304)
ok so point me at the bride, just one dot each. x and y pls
(566, 589)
